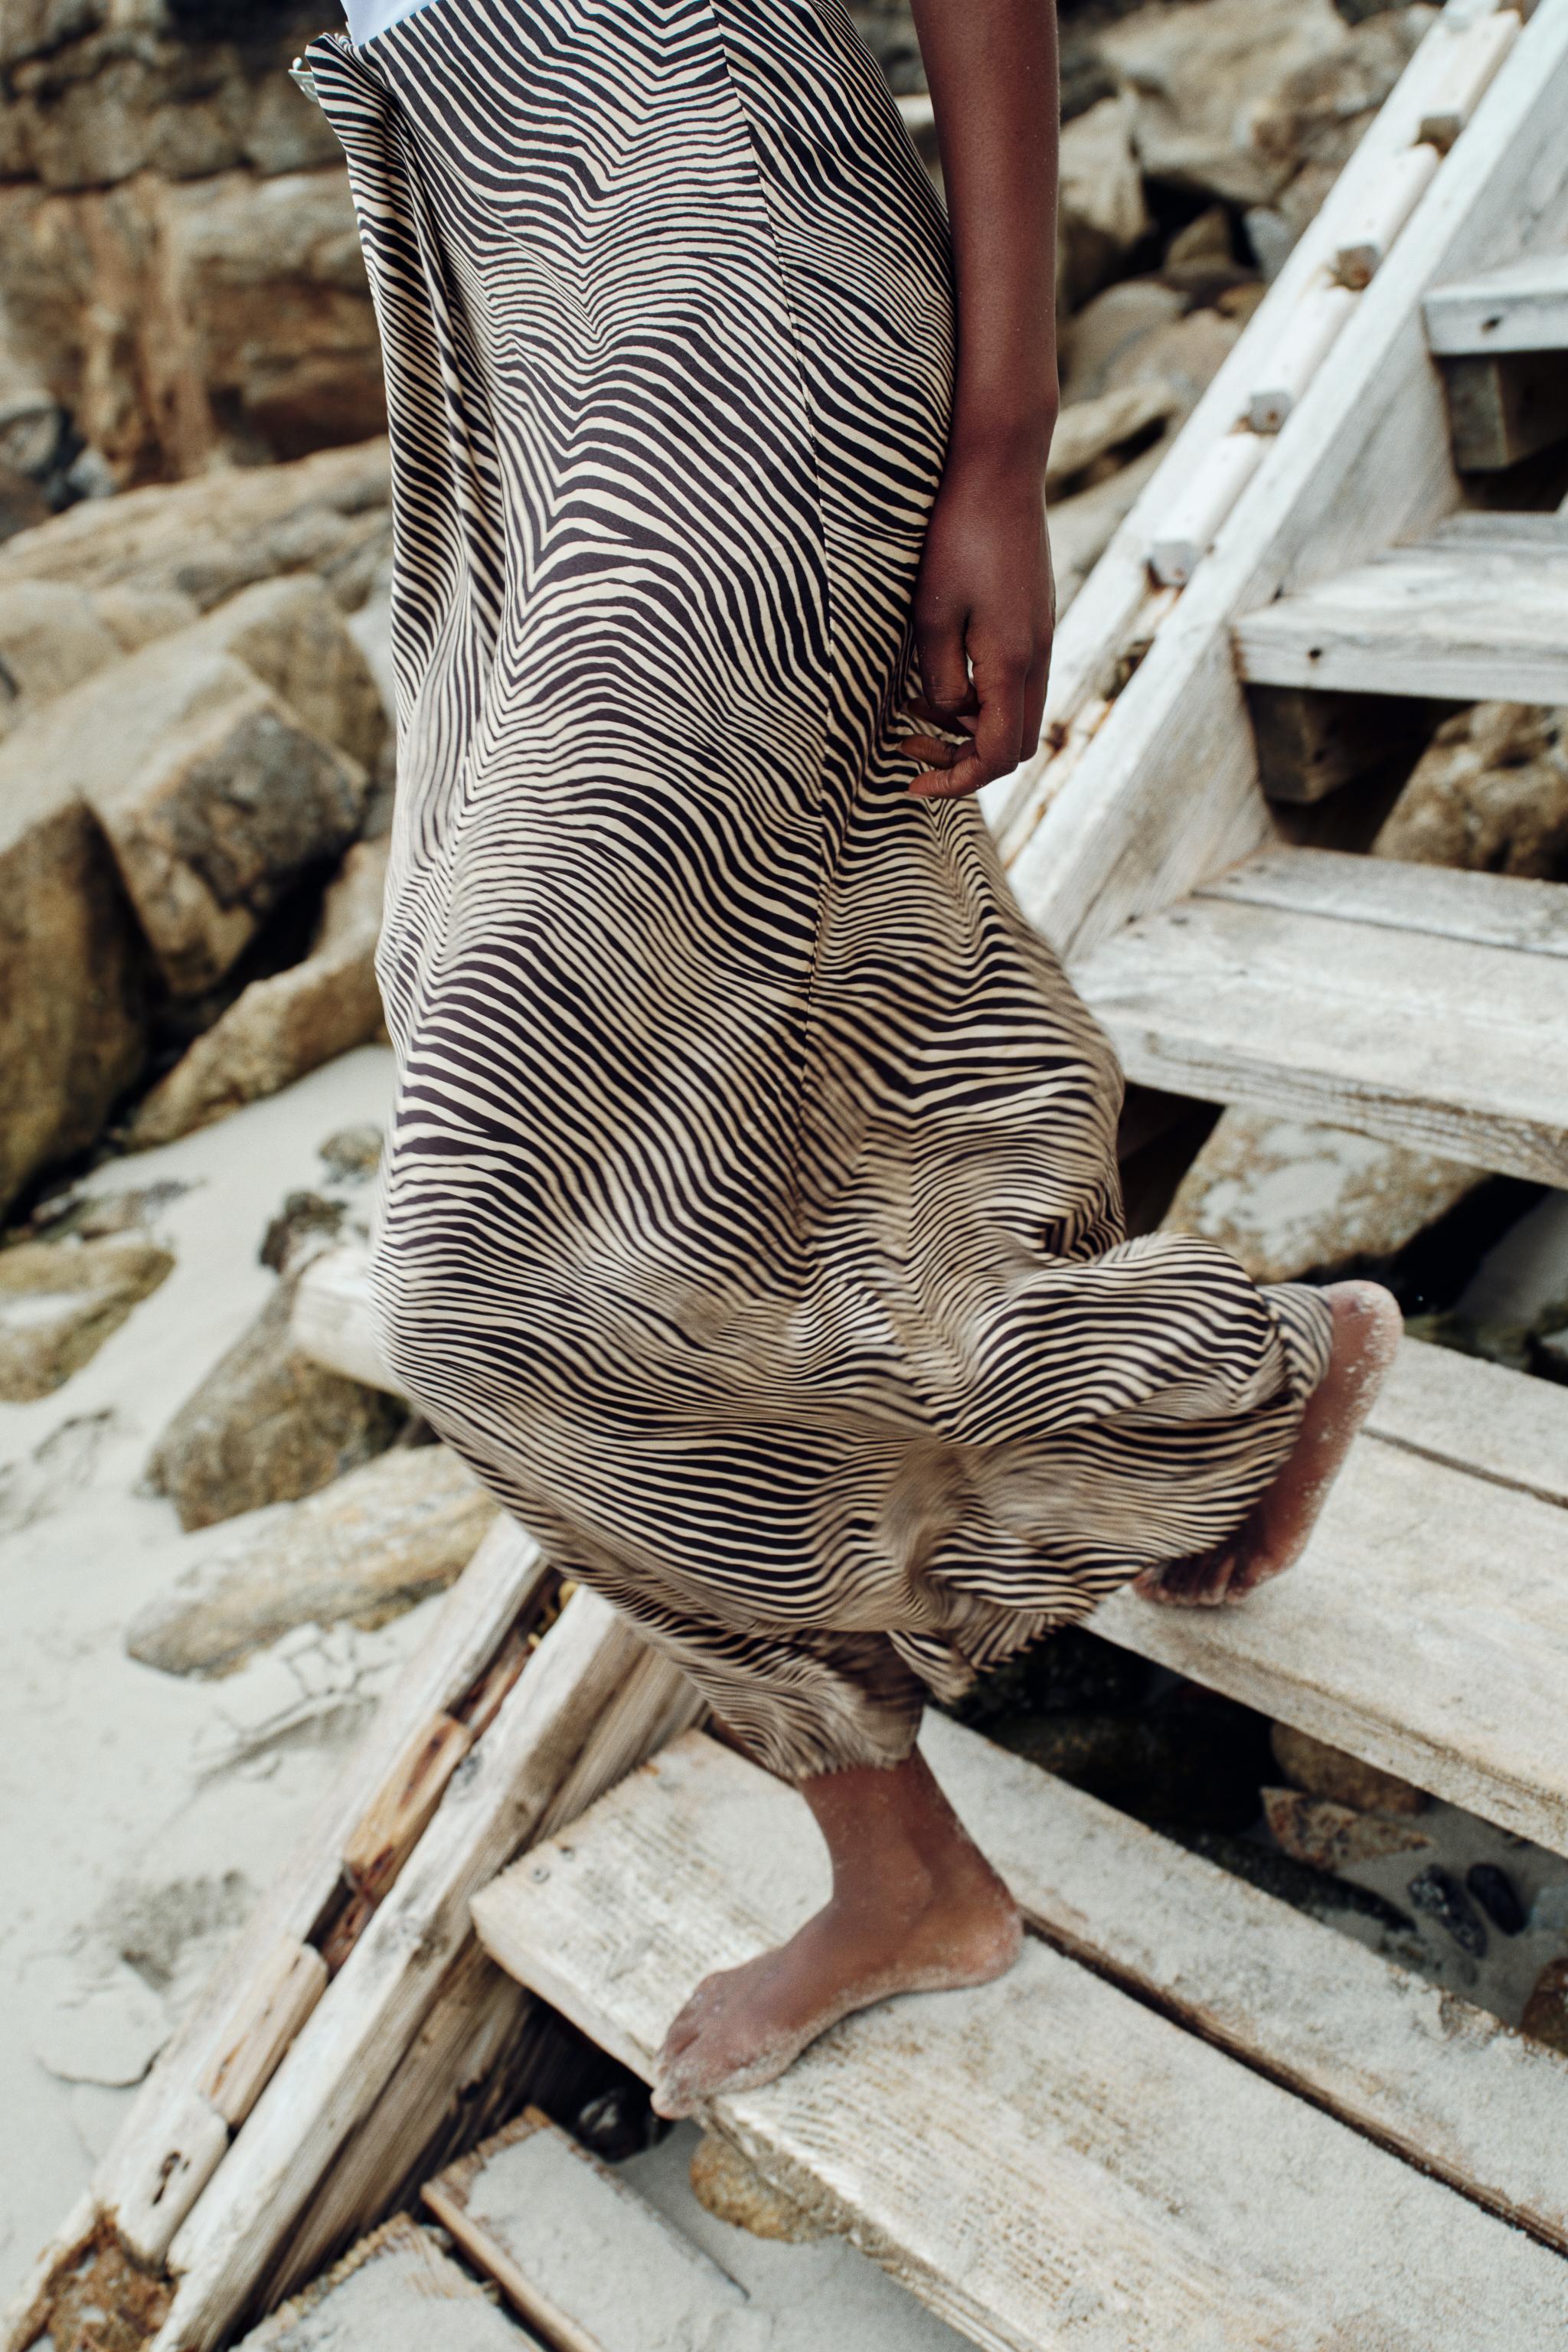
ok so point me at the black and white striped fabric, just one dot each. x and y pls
(750, 1221)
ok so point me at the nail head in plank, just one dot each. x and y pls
(1522, 307)
(1448, 2085)
(1034, 2159)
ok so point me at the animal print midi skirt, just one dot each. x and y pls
(751, 1219)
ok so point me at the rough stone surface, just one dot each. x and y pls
(73, 1019)
(282, 1026)
(1546, 2011)
(212, 792)
(1095, 343)
(1489, 793)
(1330, 1836)
(61, 1300)
(1287, 1197)
(731, 2189)
(1102, 212)
(363, 1551)
(328, 514)
(1325, 1771)
(1318, 112)
(1090, 431)
(51, 637)
(1200, 76)
(292, 633)
(266, 1425)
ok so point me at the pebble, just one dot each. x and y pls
(1494, 1891)
(1437, 1892)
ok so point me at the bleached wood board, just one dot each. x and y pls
(1497, 911)
(1044, 2161)
(1477, 1416)
(1095, 631)
(355, 2038)
(1445, 620)
(1443, 1044)
(1446, 2085)
(1425, 1629)
(579, 2254)
(166, 2121)
(1522, 307)
(1167, 792)
(333, 1321)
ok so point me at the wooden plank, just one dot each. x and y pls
(299, 1978)
(1367, 240)
(1470, 71)
(1044, 2161)
(1426, 1629)
(333, 1321)
(1494, 910)
(1478, 1416)
(1522, 307)
(1166, 793)
(1092, 640)
(1310, 743)
(1444, 621)
(399, 2293)
(1446, 2085)
(167, 2150)
(1504, 407)
(358, 2034)
(579, 2254)
(1438, 1043)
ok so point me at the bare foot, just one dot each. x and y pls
(1272, 1538)
(915, 1907)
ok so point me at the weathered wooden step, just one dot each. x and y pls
(1410, 1002)
(397, 2292)
(1478, 611)
(1426, 1627)
(1522, 307)
(1043, 2160)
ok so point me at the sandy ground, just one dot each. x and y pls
(141, 1814)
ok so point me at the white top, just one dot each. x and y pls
(368, 17)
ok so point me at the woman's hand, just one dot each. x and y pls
(985, 609)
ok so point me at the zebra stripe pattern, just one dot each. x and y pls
(751, 1219)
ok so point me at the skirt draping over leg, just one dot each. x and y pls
(751, 1219)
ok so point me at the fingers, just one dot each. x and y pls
(944, 669)
(1000, 684)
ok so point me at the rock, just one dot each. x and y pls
(729, 2185)
(363, 1551)
(1545, 2017)
(1095, 343)
(139, 615)
(1490, 794)
(73, 1028)
(282, 1027)
(1438, 1895)
(1201, 75)
(24, 503)
(307, 1223)
(1494, 1891)
(267, 1425)
(1101, 213)
(1329, 1836)
(51, 637)
(203, 539)
(292, 633)
(1312, 1891)
(59, 1301)
(1184, 356)
(1089, 430)
(352, 1153)
(1288, 1197)
(106, 2030)
(1083, 526)
(1326, 1772)
(1318, 113)
(212, 792)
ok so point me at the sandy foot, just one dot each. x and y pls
(1367, 1328)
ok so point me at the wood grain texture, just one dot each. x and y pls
(1445, 2084)
(1447, 1045)
(1441, 620)
(1426, 1629)
(1522, 307)
(1045, 2162)
(1497, 910)
(1163, 795)
(1478, 1417)
(358, 2032)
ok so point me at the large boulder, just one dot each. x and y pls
(73, 1028)
(1101, 211)
(266, 1424)
(1489, 793)
(368, 1549)
(51, 638)
(203, 539)
(291, 633)
(61, 1300)
(1200, 76)
(1287, 1197)
(282, 1027)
